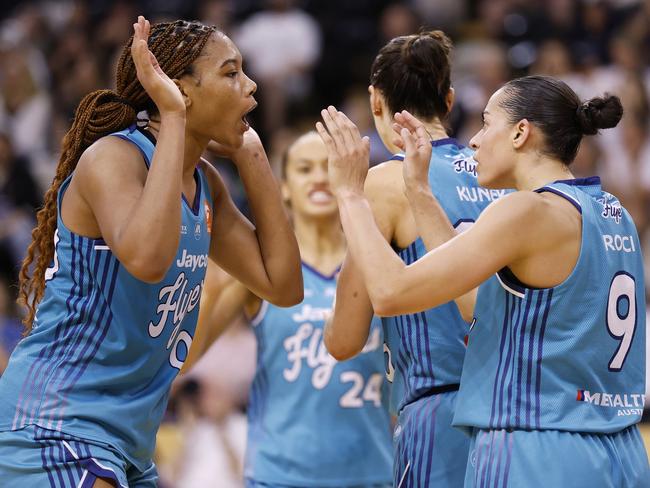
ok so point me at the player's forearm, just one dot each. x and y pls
(435, 229)
(346, 330)
(344, 338)
(377, 262)
(217, 312)
(277, 242)
(431, 220)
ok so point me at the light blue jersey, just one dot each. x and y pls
(426, 349)
(105, 346)
(314, 421)
(571, 357)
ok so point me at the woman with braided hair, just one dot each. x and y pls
(113, 277)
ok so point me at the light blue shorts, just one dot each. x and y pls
(258, 484)
(428, 451)
(550, 458)
(33, 457)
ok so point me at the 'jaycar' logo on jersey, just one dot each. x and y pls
(475, 194)
(192, 260)
(309, 313)
(465, 166)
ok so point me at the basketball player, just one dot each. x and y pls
(127, 228)
(553, 379)
(424, 351)
(312, 421)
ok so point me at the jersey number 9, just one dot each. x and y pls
(621, 316)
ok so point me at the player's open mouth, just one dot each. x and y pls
(244, 117)
(321, 196)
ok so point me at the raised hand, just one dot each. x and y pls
(347, 152)
(416, 142)
(162, 90)
(251, 143)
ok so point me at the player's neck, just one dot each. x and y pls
(436, 130)
(539, 172)
(434, 127)
(192, 149)
(321, 242)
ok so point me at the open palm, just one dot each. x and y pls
(161, 89)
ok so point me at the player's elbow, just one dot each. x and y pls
(340, 349)
(295, 295)
(286, 294)
(148, 271)
(286, 298)
(145, 263)
(385, 301)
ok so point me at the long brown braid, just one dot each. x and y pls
(176, 46)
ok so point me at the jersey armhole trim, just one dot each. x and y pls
(259, 316)
(134, 142)
(560, 193)
(511, 287)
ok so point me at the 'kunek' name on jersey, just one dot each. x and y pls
(473, 194)
(192, 260)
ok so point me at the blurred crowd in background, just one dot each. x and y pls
(304, 55)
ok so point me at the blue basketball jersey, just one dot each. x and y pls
(426, 350)
(105, 346)
(314, 421)
(571, 357)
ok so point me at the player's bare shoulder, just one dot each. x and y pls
(385, 187)
(110, 157)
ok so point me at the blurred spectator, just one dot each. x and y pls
(479, 68)
(10, 326)
(215, 439)
(350, 43)
(228, 366)
(219, 13)
(209, 445)
(25, 109)
(20, 197)
(397, 20)
(280, 46)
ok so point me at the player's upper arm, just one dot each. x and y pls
(110, 177)
(222, 301)
(508, 231)
(385, 193)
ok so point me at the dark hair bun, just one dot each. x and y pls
(422, 51)
(599, 113)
